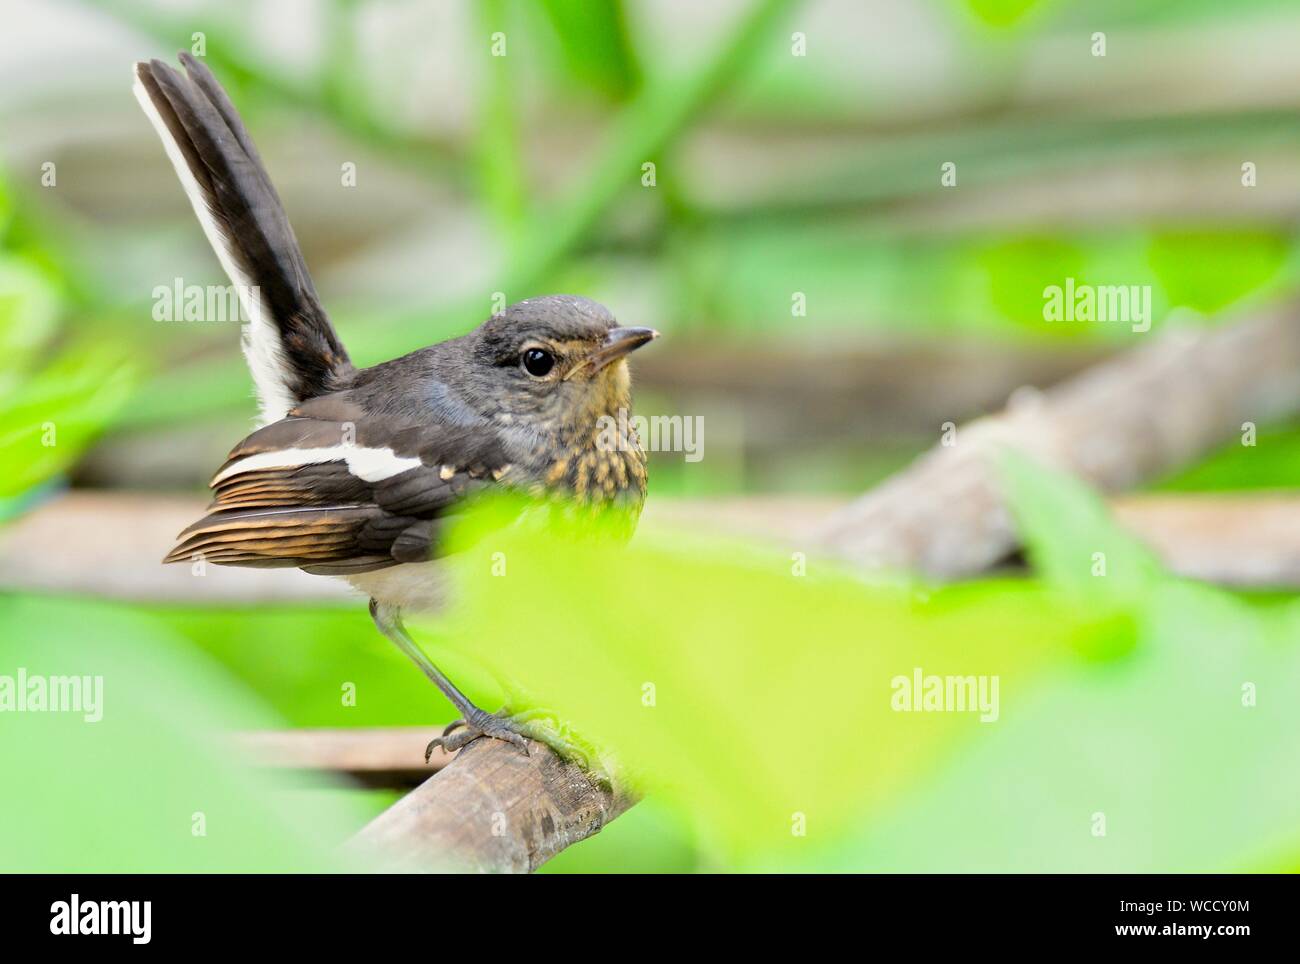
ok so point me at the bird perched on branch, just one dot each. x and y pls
(355, 470)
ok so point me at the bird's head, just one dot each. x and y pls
(555, 364)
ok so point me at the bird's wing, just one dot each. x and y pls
(334, 490)
(292, 349)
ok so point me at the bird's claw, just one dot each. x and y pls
(460, 733)
(516, 728)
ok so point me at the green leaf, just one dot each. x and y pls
(1101, 571)
(29, 308)
(1210, 269)
(6, 205)
(50, 417)
(1175, 757)
(1273, 462)
(595, 43)
(739, 692)
(1001, 13)
(127, 792)
(1070, 536)
(1162, 747)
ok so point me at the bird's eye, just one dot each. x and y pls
(537, 362)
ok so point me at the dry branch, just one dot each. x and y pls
(493, 810)
(1135, 417)
(389, 757)
(1239, 541)
(118, 535)
(498, 811)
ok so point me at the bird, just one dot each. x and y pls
(355, 472)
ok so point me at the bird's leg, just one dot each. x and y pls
(516, 729)
(475, 721)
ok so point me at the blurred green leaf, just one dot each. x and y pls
(51, 416)
(1153, 762)
(127, 792)
(1101, 571)
(1207, 270)
(1001, 13)
(739, 692)
(1150, 764)
(1273, 462)
(500, 168)
(596, 46)
(1018, 271)
(29, 308)
(1072, 541)
(6, 205)
(753, 701)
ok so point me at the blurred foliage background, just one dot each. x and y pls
(777, 177)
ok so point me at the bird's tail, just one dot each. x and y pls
(292, 349)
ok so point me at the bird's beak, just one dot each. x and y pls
(618, 343)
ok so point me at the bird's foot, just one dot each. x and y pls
(517, 728)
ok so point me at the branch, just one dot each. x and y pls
(526, 809)
(493, 810)
(1132, 418)
(1240, 541)
(390, 757)
(1234, 539)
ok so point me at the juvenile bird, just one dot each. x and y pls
(355, 470)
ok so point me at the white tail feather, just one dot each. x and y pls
(261, 339)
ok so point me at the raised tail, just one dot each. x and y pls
(291, 347)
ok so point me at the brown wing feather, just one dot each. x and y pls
(273, 534)
(322, 517)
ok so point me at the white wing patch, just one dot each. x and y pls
(367, 464)
(261, 341)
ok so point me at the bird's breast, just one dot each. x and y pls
(596, 473)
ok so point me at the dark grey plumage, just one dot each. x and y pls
(465, 409)
(238, 194)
